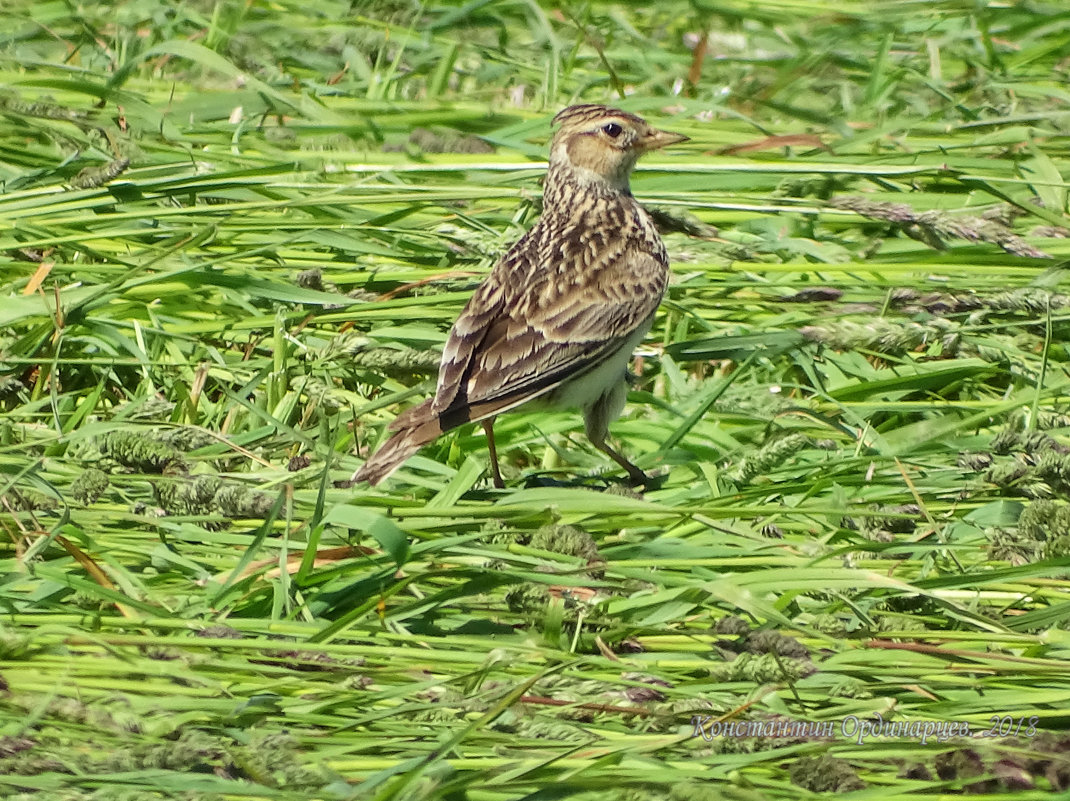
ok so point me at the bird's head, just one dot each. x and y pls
(598, 144)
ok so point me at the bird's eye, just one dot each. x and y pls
(612, 130)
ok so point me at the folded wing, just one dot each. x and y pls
(502, 353)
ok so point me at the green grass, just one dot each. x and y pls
(233, 237)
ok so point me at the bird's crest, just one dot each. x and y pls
(589, 112)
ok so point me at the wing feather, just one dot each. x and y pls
(503, 353)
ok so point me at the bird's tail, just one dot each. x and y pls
(414, 429)
(390, 456)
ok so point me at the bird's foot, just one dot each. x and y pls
(605, 483)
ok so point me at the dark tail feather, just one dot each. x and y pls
(389, 457)
(413, 430)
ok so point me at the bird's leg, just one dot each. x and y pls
(495, 473)
(596, 418)
(634, 473)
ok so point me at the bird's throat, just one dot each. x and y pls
(567, 183)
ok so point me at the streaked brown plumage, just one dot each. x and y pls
(556, 320)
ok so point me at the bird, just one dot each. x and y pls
(556, 320)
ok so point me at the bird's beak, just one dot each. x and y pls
(655, 139)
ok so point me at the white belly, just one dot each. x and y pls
(585, 390)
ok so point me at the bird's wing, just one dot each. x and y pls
(504, 350)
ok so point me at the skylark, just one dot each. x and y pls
(555, 322)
